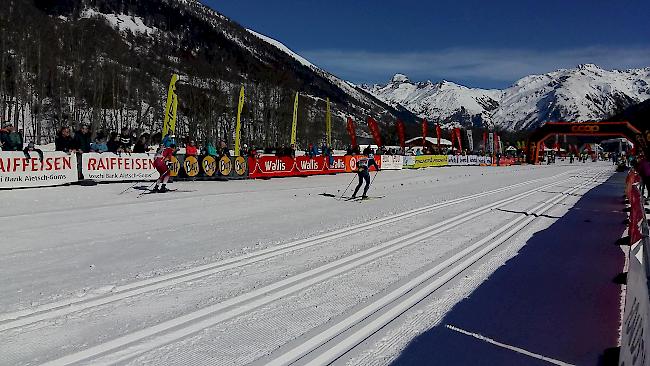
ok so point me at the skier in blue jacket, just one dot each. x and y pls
(363, 170)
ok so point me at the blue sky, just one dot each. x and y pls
(476, 43)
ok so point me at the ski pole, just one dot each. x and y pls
(148, 188)
(373, 178)
(130, 187)
(346, 189)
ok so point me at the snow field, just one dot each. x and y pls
(242, 308)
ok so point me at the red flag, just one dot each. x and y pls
(485, 147)
(460, 139)
(352, 131)
(439, 134)
(557, 146)
(374, 130)
(497, 145)
(400, 134)
(425, 130)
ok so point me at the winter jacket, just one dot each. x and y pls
(99, 146)
(191, 150)
(82, 141)
(168, 141)
(112, 146)
(64, 144)
(211, 150)
(139, 147)
(11, 141)
(125, 142)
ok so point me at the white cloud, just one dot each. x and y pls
(487, 66)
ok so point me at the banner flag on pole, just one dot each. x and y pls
(438, 135)
(425, 131)
(294, 124)
(459, 137)
(401, 134)
(374, 130)
(490, 145)
(352, 131)
(240, 107)
(169, 124)
(328, 124)
(470, 140)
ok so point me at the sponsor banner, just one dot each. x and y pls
(191, 166)
(484, 160)
(427, 161)
(240, 166)
(391, 162)
(453, 160)
(208, 166)
(351, 162)
(271, 166)
(18, 171)
(310, 166)
(464, 160)
(503, 161)
(225, 166)
(110, 167)
(338, 164)
(174, 166)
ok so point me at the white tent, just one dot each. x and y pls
(511, 148)
(431, 140)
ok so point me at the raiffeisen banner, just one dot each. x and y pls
(110, 167)
(19, 170)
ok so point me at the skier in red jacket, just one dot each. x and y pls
(163, 156)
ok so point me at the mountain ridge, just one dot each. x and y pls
(584, 93)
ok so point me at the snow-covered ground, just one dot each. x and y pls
(263, 272)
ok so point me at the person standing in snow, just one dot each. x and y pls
(163, 156)
(363, 171)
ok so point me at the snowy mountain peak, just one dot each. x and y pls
(589, 67)
(584, 93)
(400, 78)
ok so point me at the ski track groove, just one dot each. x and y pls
(21, 318)
(131, 345)
(473, 254)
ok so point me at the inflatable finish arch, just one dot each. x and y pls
(604, 129)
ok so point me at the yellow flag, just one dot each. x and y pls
(169, 125)
(294, 125)
(238, 127)
(328, 124)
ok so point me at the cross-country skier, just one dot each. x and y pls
(163, 156)
(363, 170)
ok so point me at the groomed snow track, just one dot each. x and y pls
(321, 341)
